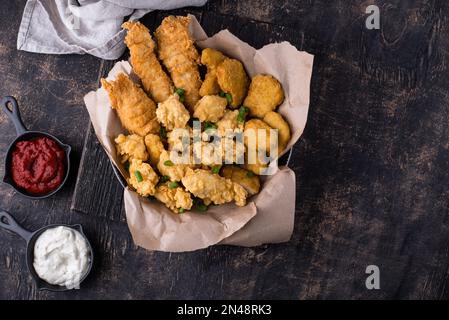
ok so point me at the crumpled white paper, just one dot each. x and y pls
(269, 216)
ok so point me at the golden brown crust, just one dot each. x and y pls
(212, 188)
(137, 112)
(145, 63)
(211, 59)
(232, 78)
(243, 177)
(264, 95)
(276, 121)
(179, 55)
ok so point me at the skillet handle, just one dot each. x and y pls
(7, 222)
(13, 113)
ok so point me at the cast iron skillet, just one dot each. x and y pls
(7, 222)
(11, 108)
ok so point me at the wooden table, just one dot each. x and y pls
(372, 166)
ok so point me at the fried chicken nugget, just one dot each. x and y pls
(180, 57)
(258, 168)
(175, 171)
(229, 121)
(245, 178)
(172, 113)
(210, 108)
(264, 95)
(276, 121)
(211, 59)
(175, 198)
(131, 147)
(212, 188)
(253, 132)
(154, 147)
(142, 178)
(137, 112)
(232, 78)
(145, 63)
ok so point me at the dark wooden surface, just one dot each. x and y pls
(372, 166)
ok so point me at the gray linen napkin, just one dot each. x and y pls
(84, 26)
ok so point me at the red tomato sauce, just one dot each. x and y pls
(38, 165)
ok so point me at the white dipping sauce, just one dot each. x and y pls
(61, 256)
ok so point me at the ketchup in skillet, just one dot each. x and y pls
(38, 165)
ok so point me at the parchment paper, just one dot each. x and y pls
(269, 216)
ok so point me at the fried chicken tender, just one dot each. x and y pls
(149, 178)
(167, 167)
(131, 147)
(276, 121)
(264, 95)
(154, 147)
(232, 78)
(175, 199)
(145, 63)
(210, 108)
(212, 188)
(229, 122)
(245, 178)
(180, 57)
(252, 131)
(172, 113)
(211, 59)
(137, 112)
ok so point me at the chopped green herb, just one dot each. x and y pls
(180, 91)
(126, 165)
(164, 179)
(222, 94)
(209, 125)
(199, 205)
(250, 174)
(181, 210)
(163, 133)
(243, 111)
(168, 163)
(173, 185)
(228, 97)
(216, 169)
(138, 176)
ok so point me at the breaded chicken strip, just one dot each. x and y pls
(154, 147)
(211, 59)
(137, 112)
(210, 108)
(172, 113)
(175, 199)
(232, 78)
(131, 147)
(180, 57)
(245, 178)
(212, 188)
(264, 95)
(145, 63)
(142, 178)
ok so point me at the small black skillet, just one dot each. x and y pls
(10, 106)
